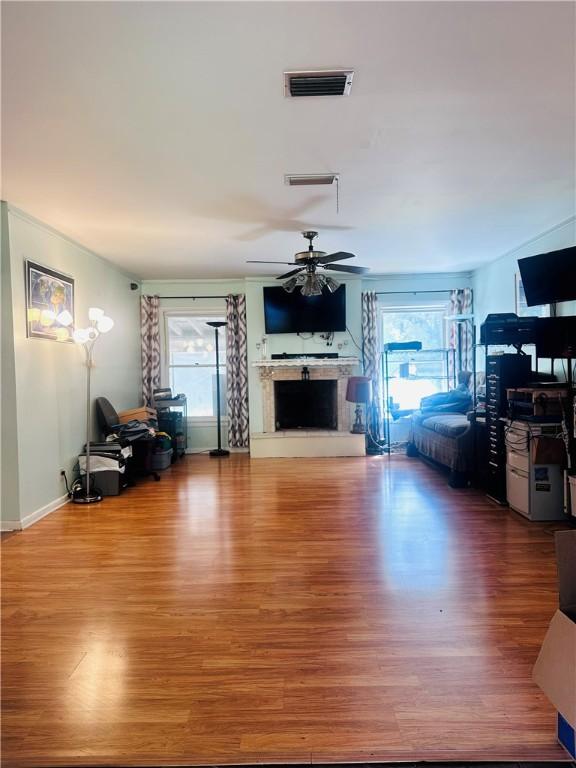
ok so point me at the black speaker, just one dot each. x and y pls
(407, 346)
(507, 328)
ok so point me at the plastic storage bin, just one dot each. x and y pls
(161, 460)
(109, 482)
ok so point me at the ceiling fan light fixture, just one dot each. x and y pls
(312, 285)
(289, 285)
(331, 284)
(307, 262)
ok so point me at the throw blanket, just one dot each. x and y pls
(458, 400)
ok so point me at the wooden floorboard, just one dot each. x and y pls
(283, 610)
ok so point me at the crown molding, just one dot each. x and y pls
(398, 276)
(196, 280)
(39, 224)
(555, 228)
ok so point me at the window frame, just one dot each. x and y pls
(165, 366)
(426, 307)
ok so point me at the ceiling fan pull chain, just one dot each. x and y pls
(337, 195)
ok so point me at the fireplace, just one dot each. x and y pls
(306, 404)
(304, 409)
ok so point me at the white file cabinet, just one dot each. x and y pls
(534, 490)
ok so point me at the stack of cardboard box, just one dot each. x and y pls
(555, 669)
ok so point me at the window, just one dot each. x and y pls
(413, 376)
(191, 362)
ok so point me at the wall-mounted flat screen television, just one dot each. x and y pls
(293, 313)
(549, 277)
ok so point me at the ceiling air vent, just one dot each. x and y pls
(322, 82)
(310, 179)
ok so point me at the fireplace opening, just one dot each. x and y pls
(310, 404)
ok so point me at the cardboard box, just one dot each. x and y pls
(555, 668)
(139, 414)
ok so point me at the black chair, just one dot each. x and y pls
(136, 434)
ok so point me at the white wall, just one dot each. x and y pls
(9, 496)
(50, 377)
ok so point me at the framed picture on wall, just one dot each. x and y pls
(49, 303)
(522, 308)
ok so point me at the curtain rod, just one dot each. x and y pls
(393, 293)
(378, 293)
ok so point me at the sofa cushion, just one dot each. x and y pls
(448, 424)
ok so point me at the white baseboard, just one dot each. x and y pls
(33, 517)
(198, 450)
(10, 525)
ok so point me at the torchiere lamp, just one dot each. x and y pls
(217, 324)
(87, 337)
(359, 390)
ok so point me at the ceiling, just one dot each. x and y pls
(157, 134)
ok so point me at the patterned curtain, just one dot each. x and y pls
(150, 335)
(371, 352)
(237, 372)
(461, 331)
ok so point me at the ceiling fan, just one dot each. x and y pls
(310, 282)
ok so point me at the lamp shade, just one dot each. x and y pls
(80, 335)
(95, 313)
(104, 324)
(359, 389)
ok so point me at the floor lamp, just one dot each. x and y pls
(217, 324)
(86, 338)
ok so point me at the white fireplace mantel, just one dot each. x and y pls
(309, 362)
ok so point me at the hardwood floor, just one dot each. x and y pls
(278, 610)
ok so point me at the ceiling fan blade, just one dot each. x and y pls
(292, 272)
(251, 261)
(345, 268)
(338, 256)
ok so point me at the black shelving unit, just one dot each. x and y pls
(502, 372)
